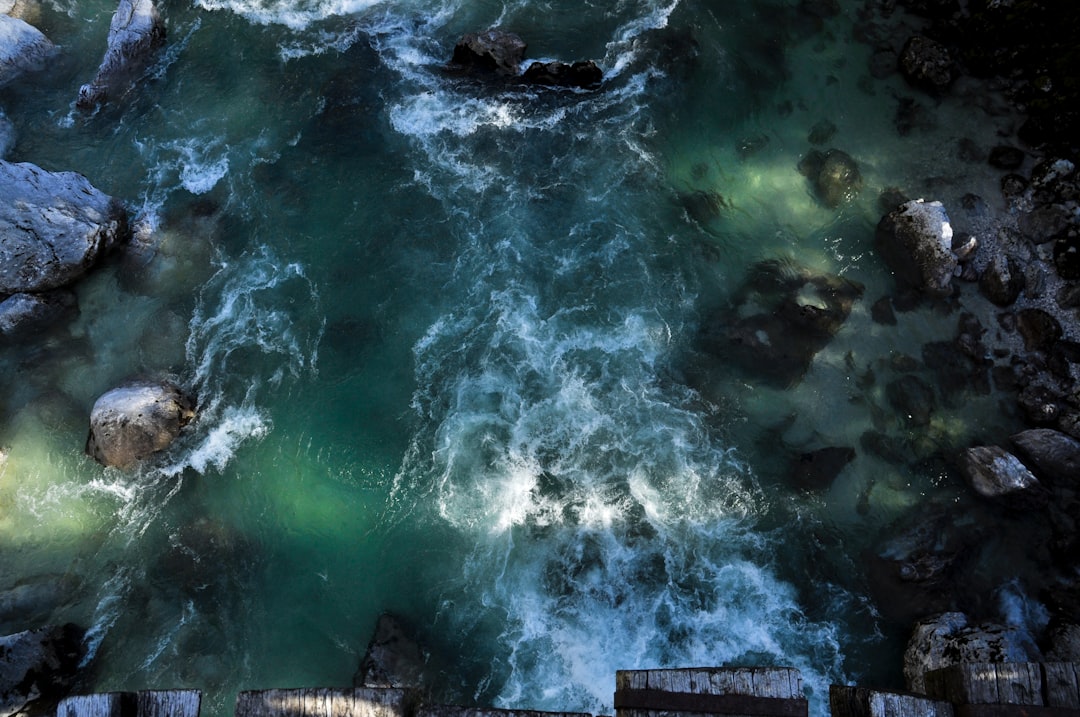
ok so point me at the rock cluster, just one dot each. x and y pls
(38, 665)
(501, 53)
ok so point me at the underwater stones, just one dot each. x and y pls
(1002, 280)
(833, 174)
(915, 240)
(23, 48)
(54, 226)
(1054, 455)
(33, 598)
(38, 664)
(948, 639)
(393, 657)
(131, 422)
(912, 398)
(22, 313)
(493, 50)
(816, 470)
(926, 64)
(783, 316)
(993, 472)
(582, 74)
(821, 132)
(135, 34)
(1006, 157)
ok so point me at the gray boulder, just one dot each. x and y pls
(948, 639)
(915, 240)
(993, 472)
(1053, 454)
(135, 35)
(494, 50)
(38, 665)
(130, 423)
(926, 63)
(22, 313)
(53, 227)
(23, 48)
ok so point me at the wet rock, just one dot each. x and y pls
(926, 64)
(130, 423)
(891, 198)
(911, 115)
(136, 33)
(32, 599)
(1064, 642)
(816, 470)
(833, 174)
(1013, 185)
(38, 665)
(955, 369)
(915, 240)
(821, 132)
(1067, 257)
(881, 312)
(583, 74)
(1006, 157)
(749, 146)
(23, 48)
(783, 316)
(1039, 329)
(993, 472)
(7, 135)
(949, 639)
(964, 246)
(494, 50)
(53, 227)
(23, 314)
(1068, 296)
(912, 398)
(1054, 456)
(393, 657)
(1039, 404)
(1044, 223)
(1002, 280)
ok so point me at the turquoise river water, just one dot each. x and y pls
(444, 338)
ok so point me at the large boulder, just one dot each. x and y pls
(393, 658)
(993, 472)
(492, 50)
(38, 665)
(1053, 454)
(53, 227)
(915, 240)
(948, 639)
(130, 423)
(135, 34)
(23, 48)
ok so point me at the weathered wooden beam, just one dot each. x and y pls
(168, 703)
(322, 702)
(986, 683)
(457, 711)
(743, 691)
(1014, 711)
(1061, 684)
(107, 704)
(845, 701)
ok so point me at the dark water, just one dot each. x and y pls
(445, 339)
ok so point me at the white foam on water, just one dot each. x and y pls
(290, 13)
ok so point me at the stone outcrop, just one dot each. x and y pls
(53, 227)
(948, 639)
(132, 422)
(38, 665)
(135, 34)
(993, 472)
(23, 48)
(915, 240)
(493, 50)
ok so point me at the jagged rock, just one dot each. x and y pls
(993, 472)
(926, 63)
(584, 74)
(38, 664)
(912, 398)
(129, 423)
(135, 34)
(834, 175)
(22, 313)
(53, 227)
(948, 639)
(493, 50)
(1005, 157)
(1002, 280)
(393, 657)
(915, 240)
(1052, 454)
(816, 470)
(23, 48)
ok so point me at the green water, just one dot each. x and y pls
(444, 339)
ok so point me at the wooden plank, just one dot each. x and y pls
(168, 703)
(1014, 711)
(321, 702)
(1019, 683)
(729, 704)
(968, 683)
(458, 711)
(109, 704)
(1061, 684)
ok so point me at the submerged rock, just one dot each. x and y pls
(135, 34)
(24, 313)
(30, 599)
(915, 240)
(993, 472)
(834, 175)
(494, 50)
(129, 423)
(38, 664)
(393, 657)
(53, 227)
(948, 639)
(583, 74)
(23, 48)
(816, 470)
